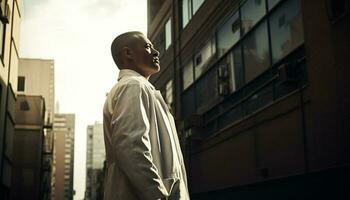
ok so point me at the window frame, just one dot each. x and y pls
(188, 62)
(18, 83)
(168, 24)
(190, 12)
(205, 64)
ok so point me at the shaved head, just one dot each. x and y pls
(124, 40)
(134, 51)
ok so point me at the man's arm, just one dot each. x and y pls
(130, 137)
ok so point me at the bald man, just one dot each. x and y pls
(144, 159)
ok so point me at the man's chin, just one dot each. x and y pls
(156, 67)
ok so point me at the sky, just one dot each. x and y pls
(77, 36)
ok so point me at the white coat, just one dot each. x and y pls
(144, 159)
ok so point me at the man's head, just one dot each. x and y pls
(133, 50)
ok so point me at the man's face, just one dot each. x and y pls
(145, 56)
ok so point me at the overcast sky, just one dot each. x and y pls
(77, 34)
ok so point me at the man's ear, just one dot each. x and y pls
(127, 52)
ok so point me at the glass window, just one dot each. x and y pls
(168, 34)
(186, 12)
(189, 8)
(21, 84)
(188, 106)
(252, 11)
(202, 58)
(169, 93)
(286, 29)
(272, 3)
(235, 64)
(24, 106)
(228, 34)
(256, 53)
(159, 42)
(207, 91)
(232, 115)
(187, 75)
(238, 67)
(259, 99)
(196, 4)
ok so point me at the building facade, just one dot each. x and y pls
(29, 84)
(10, 19)
(31, 168)
(259, 92)
(95, 157)
(64, 129)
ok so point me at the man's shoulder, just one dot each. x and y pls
(134, 82)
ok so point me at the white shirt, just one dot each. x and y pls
(144, 159)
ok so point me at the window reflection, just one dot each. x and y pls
(168, 34)
(256, 52)
(229, 34)
(186, 12)
(196, 5)
(187, 75)
(252, 11)
(272, 3)
(235, 67)
(238, 68)
(159, 42)
(202, 58)
(259, 99)
(286, 29)
(206, 90)
(247, 60)
(189, 8)
(188, 106)
(169, 93)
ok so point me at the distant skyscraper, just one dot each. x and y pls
(95, 156)
(64, 126)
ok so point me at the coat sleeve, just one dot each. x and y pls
(130, 137)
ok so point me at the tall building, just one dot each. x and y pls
(64, 128)
(10, 19)
(95, 157)
(259, 92)
(29, 84)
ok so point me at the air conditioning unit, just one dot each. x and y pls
(5, 12)
(188, 133)
(223, 72)
(224, 88)
(287, 73)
